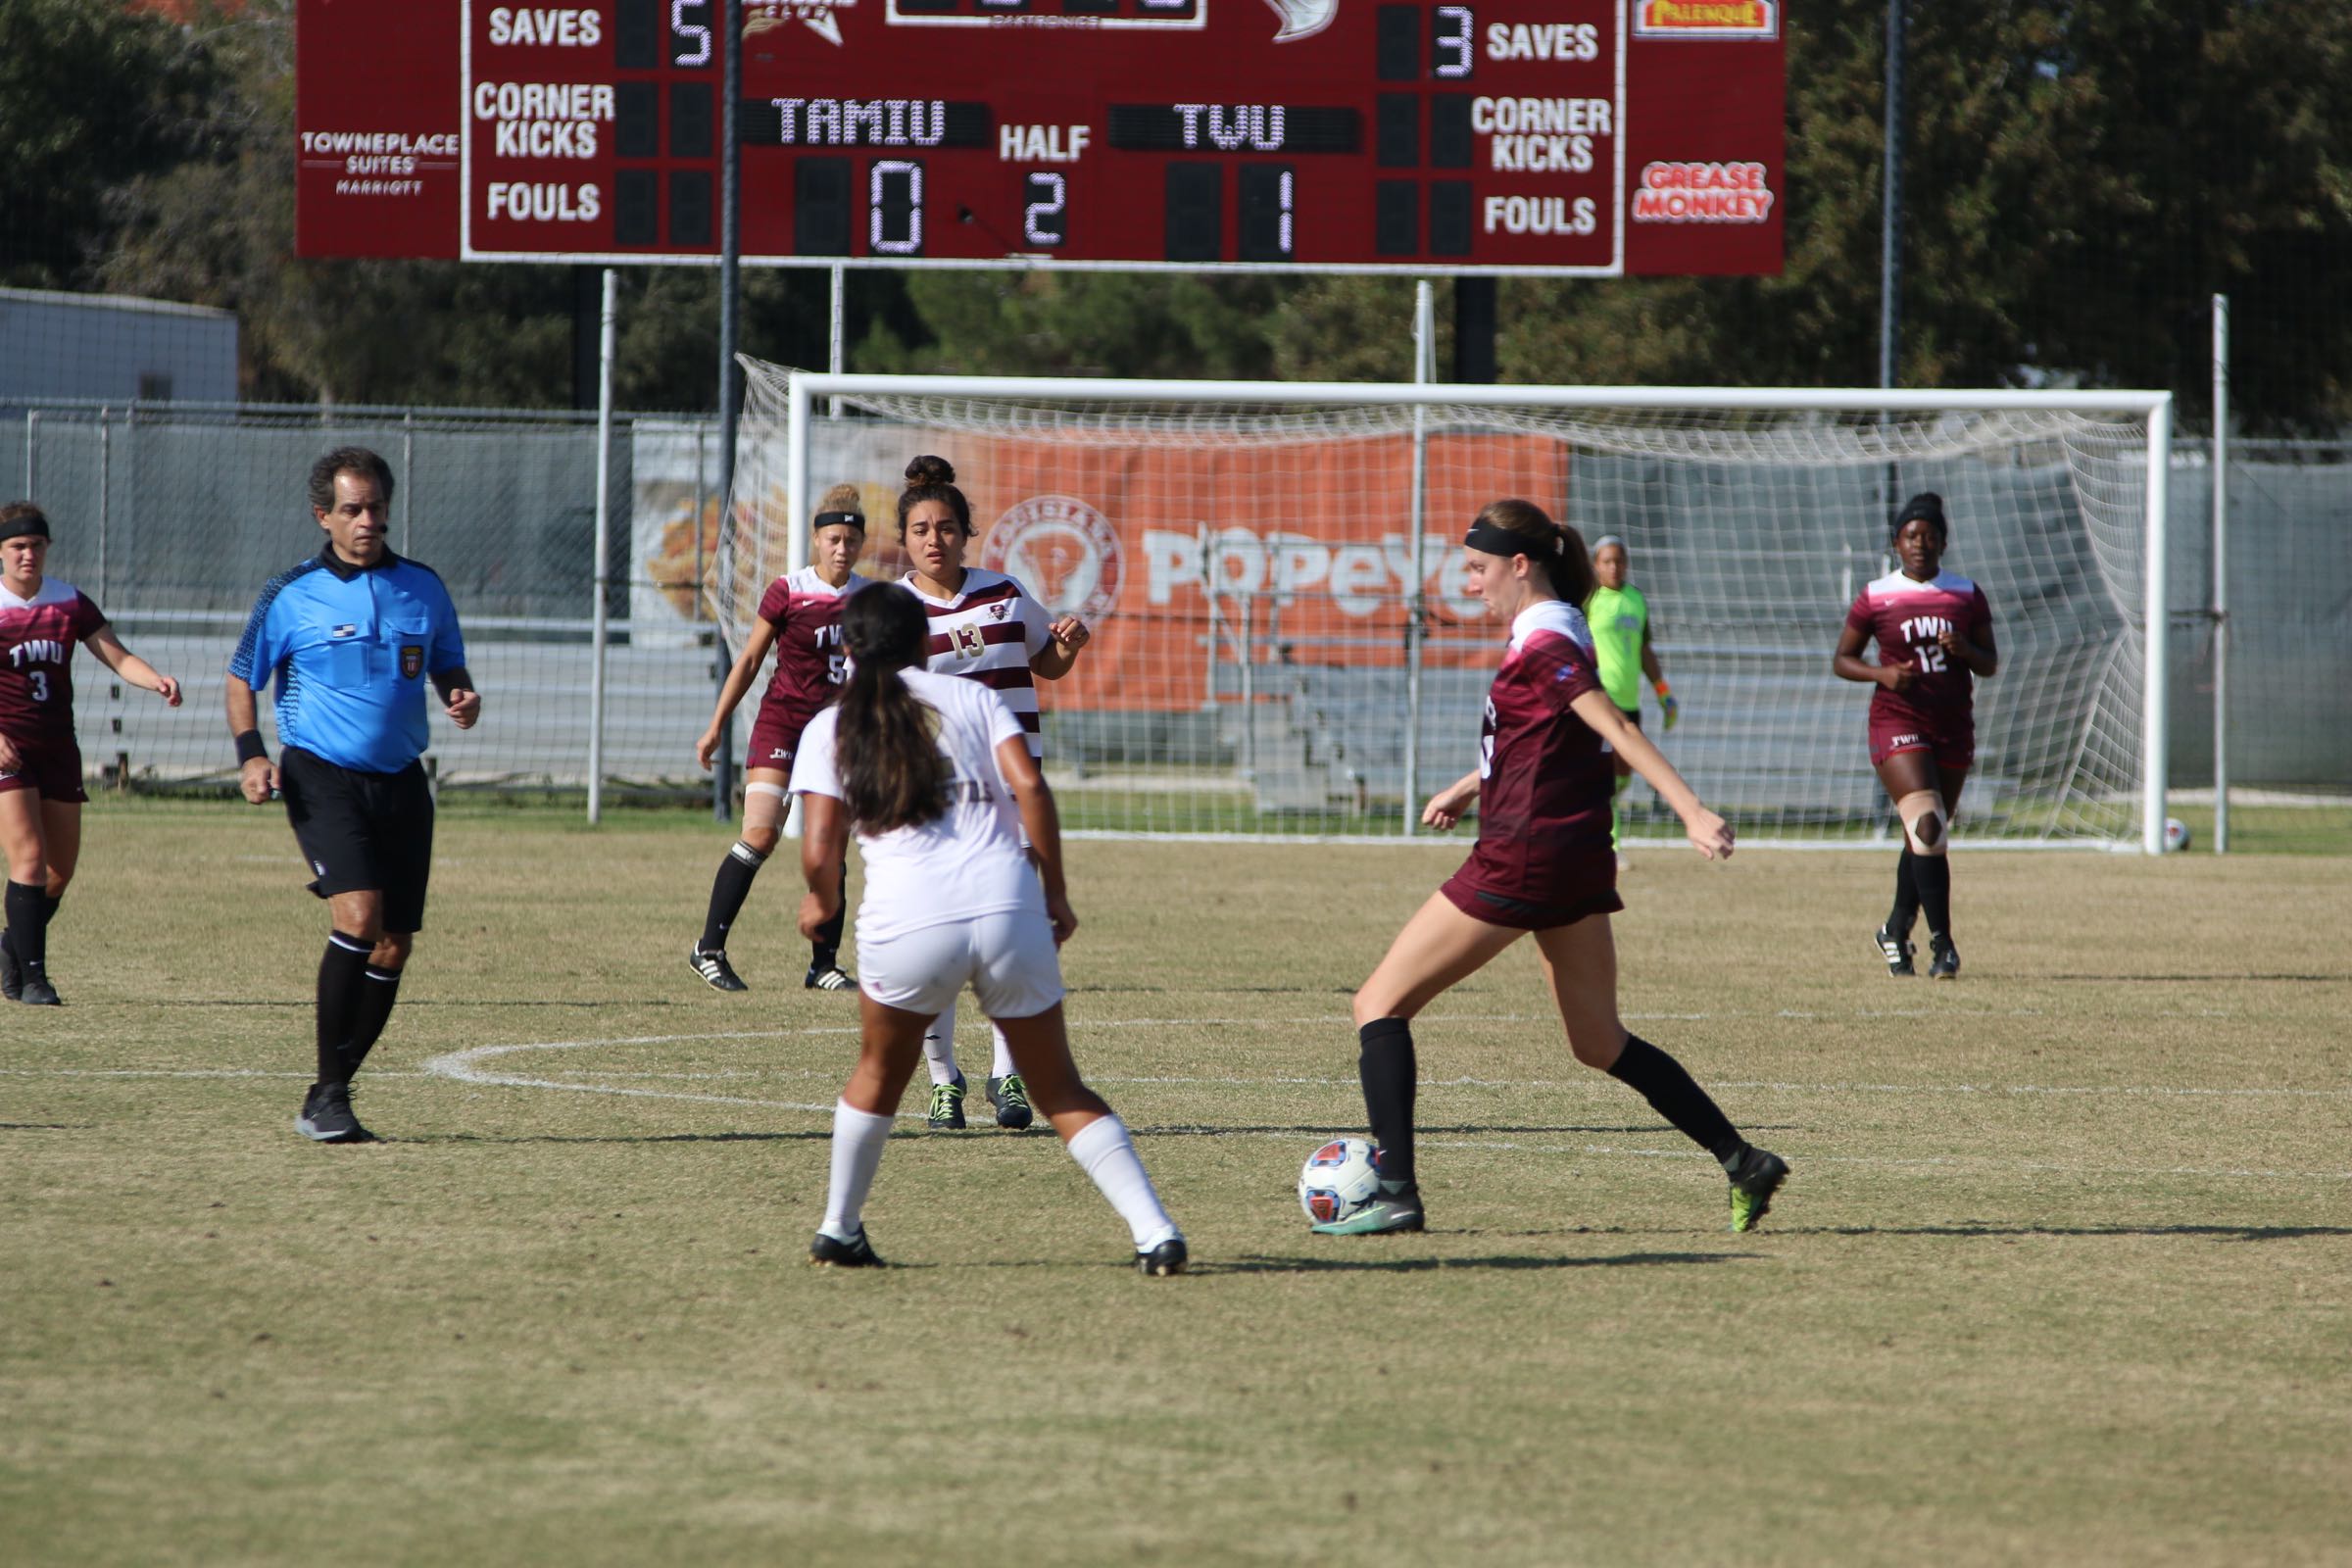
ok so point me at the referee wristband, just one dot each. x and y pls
(249, 747)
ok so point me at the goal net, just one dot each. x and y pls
(1274, 575)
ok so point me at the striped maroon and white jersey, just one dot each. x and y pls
(1906, 617)
(36, 645)
(1545, 777)
(805, 611)
(988, 632)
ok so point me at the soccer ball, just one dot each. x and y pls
(1338, 1181)
(2175, 835)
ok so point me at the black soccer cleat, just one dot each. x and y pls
(1163, 1261)
(327, 1116)
(1946, 963)
(1895, 952)
(1754, 1180)
(832, 978)
(38, 994)
(947, 1105)
(712, 964)
(826, 1252)
(1010, 1097)
(12, 978)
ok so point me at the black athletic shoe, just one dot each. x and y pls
(826, 1252)
(1162, 1260)
(38, 994)
(12, 978)
(947, 1105)
(832, 978)
(1010, 1097)
(712, 964)
(1897, 953)
(1754, 1180)
(1945, 965)
(327, 1116)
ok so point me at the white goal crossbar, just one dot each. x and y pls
(801, 389)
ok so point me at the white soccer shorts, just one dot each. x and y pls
(1007, 958)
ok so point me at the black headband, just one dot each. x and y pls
(836, 520)
(31, 522)
(1502, 542)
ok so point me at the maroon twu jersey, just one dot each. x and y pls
(1545, 777)
(806, 611)
(36, 644)
(1906, 617)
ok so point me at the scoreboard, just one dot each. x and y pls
(1593, 138)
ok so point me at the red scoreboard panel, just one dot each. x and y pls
(1559, 137)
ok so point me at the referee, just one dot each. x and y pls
(350, 636)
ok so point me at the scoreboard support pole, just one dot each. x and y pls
(1416, 609)
(731, 379)
(1474, 330)
(600, 617)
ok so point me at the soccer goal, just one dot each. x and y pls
(1274, 576)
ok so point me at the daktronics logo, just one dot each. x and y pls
(1707, 18)
(1702, 193)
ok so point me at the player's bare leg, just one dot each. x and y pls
(1094, 1135)
(1580, 967)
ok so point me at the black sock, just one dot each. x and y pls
(27, 929)
(825, 950)
(728, 889)
(1390, 1076)
(1934, 874)
(1906, 897)
(342, 971)
(1671, 1093)
(378, 992)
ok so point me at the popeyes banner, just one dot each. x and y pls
(1145, 542)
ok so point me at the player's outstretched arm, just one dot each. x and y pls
(1446, 807)
(1709, 834)
(257, 775)
(108, 650)
(745, 669)
(1041, 820)
(824, 845)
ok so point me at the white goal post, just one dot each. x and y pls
(1273, 572)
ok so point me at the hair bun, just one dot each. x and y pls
(928, 470)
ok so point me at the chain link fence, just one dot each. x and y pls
(172, 515)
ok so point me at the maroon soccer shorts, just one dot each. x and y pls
(50, 769)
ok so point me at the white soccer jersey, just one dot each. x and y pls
(988, 633)
(965, 862)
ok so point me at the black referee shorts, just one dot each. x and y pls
(363, 832)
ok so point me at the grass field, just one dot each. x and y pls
(2061, 1276)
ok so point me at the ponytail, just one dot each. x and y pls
(892, 773)
(1522, 528)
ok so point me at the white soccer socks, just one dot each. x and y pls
(858, 1139)
(1106, 1154)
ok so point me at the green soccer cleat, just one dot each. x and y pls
(1395, 1210)
(1758, 1176)
(947, 1105)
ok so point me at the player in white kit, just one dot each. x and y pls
(984, 627)
(935, 776)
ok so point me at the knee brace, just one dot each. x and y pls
(1924, 821)
(765, 805)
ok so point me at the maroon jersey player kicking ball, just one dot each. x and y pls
(1542, 865)
(1934, 635)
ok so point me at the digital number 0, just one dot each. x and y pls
(894, 197)
(1453, 37)
(696, 37)
(1046, 219)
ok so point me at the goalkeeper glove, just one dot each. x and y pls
(1667, 705)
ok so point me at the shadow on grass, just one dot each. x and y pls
(1430, 1265)
(2227, 1233)
(2194, 979)
(1323, 1130)
(821, 1135)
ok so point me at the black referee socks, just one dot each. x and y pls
(1661, 1079)
(1390, 1076)
(377, 993)
(28, 908)
(342, 971)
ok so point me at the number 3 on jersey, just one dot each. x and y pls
(40, 679)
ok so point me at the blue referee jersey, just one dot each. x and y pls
(351, 647)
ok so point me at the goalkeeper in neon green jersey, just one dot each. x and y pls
(1620, 620)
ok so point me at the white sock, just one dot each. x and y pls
(1105, 1152)
(858, 1139)
(939, 1046)
(1000, 1064)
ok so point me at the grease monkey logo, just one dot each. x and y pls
(1061, 549)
